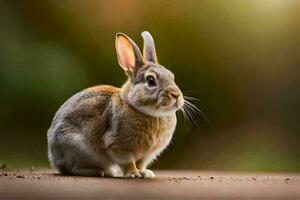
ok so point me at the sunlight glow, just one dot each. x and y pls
(273, 5)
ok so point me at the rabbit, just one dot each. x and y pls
(117, 132)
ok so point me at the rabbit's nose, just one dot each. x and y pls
(175, 94)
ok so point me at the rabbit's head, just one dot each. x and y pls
(150, 88)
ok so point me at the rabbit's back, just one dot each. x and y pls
(85, 109)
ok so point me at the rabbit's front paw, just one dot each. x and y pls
(133, 174)
(114, 171)
(147, 173)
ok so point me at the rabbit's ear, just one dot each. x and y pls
(129, 55)
(149, 51)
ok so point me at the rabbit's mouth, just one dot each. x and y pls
(170, 107)
(174, 106)
(162, 106)
(168, 103)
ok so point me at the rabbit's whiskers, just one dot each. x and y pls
(191, 112)
(190, 98)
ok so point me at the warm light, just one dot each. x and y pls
(274, 4)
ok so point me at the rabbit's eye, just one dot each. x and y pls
(150, 81)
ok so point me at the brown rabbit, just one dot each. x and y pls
(117, 132)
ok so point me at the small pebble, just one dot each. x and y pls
(211, 177)
(19, 176)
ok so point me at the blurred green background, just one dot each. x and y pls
(239, 57)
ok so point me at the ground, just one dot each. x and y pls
(47, 184)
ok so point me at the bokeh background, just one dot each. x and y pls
(239, 57)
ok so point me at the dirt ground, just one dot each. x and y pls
(46, 184)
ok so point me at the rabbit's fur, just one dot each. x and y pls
(117, 132)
